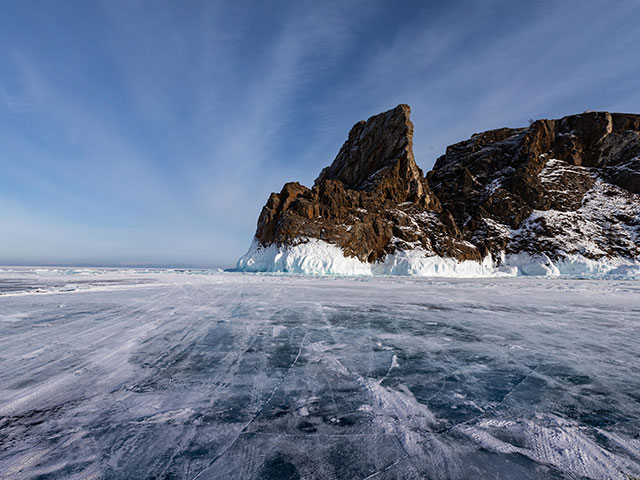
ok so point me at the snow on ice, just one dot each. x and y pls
(197, 374)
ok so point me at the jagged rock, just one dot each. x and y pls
(558, 187)
(378, 156)
(516, 190)
(371, 200)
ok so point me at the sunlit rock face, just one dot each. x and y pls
(566, 191)
(372, 200)
(559, 187)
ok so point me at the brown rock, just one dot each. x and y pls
(500, 177)
(481, 196)
(356, 201)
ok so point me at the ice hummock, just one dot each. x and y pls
(317, 257)
(310, 257)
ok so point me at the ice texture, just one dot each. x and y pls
(208, 375)
(316, 257)
(311, 257)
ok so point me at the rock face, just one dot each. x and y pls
(372, 200)
(557, 188)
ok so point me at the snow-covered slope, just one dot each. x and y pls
(607, 221)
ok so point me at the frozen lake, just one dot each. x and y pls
(150, 374)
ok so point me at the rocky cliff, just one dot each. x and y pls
(558, 193)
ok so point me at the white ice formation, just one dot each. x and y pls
(316, 257)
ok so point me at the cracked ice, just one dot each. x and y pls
(167, 374)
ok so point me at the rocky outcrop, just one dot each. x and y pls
(372, 200)
(567, 186)
(557, 188)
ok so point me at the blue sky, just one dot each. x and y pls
(135, 132)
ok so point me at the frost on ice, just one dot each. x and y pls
(161, 374)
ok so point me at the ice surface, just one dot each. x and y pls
(151, 374)
(316, 257)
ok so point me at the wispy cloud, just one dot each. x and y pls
(148, 131)
(24, 95)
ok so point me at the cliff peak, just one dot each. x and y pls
(378, 150)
